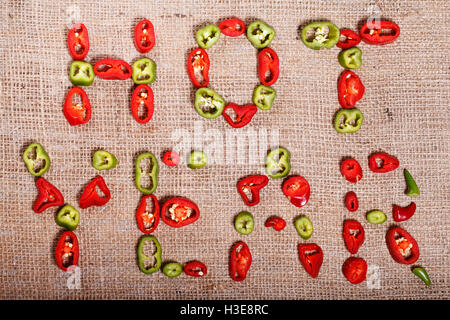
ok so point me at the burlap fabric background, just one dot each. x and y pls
(406, 114)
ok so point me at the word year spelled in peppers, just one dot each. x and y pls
(240, 261)
(77, 113)
(67, 251)
(149, 254)
(250, 187)
(320, 34)
(278, 163)
(36, 159)
(179, 212)
(146, 173)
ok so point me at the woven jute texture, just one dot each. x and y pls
(406, 110)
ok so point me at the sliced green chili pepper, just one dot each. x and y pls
(172, 269)
(350, 58)
(244, 223)
(278, 163)
(81, 73)
(36, 159)
(321, 34)
(422, 274)
(150, 171)
(304, 227)
(413, 189)
(149, 261)
(103, 160)
(376, 217)
(208, 103)
(260, 34)
(197, 160)
(263, 97)
(68, 217)
(348, 120)
(208, 36)
(144, 71)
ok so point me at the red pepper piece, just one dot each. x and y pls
(268, 66)
(276, 222)
(90, 197)
(113, 69)
(243, 114)
(78, 41)
(351, 39)
(171, 158)
(351, 170)
(382, 162)
(402, 246)
(232, 27)
(249, 188)
(355, 270)
(195, 269)
(198, 67)
(351, 201)
(79, 113)
(350, 89)
(402, 214)
(49, 196)
(148, 220)
(311, 257)
(240, 261)
(297, 190)
(353, 235)
(372, 32)
(142, 98)
(67, 252)
(179, 212)
(144, 36)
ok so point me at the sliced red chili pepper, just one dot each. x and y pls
(113, 69)
(78, 41)
(382, 162)
(402, 246)
(353, 235)
(195, 269)
(142, 99)
(179, 212)
(351, 201)
(171, 158)
(402, 214)
(49, 196)
(90, 196)
(67, 252)
(349, 38)
(355, 270)
(242, 114)
(77, 113)
(350, 89)
(351, 170)
(268, 66)
(232, 27)
(240, 261)
(198, 67)
(297, 190)
(249, 188)
(372, 32)
(148, 219)
(311, 257)
(144, 36)
(275, 222)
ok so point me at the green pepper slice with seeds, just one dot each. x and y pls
(81, 73)
(320, 34)
(304, 227)
(144, 71)
(36, 159)
(197, 160)
(172, 269)
(150, 171)
(413, 189)
(244, 223)
(376, 217)
(208, 103)
(348, 120)
(278, 163)
(263, 97)
(350, 58)
(103, 160)
(149, 261)
(208, 36)
(68, 217)
(260, 34)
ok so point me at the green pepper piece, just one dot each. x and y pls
(81, 73)
(263, 97)
(149, 263)
(172, 269)
(208, 36)
(422, 274)
(244, 223)
(103, 160)
(68, 217)
(151, 172)
(348, 120)
(36, 159)
(376, 217)
(260, 34)
(208, 103)
(321, 34)
(197, 160)
(350, 58)
(304, 227)
(413, 189)
(144, 71)
(278, 163)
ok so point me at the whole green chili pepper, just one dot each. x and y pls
(208, 36)
(304, 227)
(172, 269)
(81, 73)
(144, 71)
(321, 34)
(260, 34)
(149, 262)
(151, 172)
(244, 223)
(68, 217)
(208, 103)
(103, 160)
(350, 58)
(376, 217)
(36, 159)
(263, 97)
(348, 120)
(278, 163)
(197, 160)
(413, 189)
(422, 274)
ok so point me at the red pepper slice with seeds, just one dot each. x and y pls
(382, 162)
(171, 158)
(348, 39)
(148, 219)
(243, 114)
(198, 67)
(142, 106)
(49, 196)
(402, 246)
(350, 89)
(232, 27)
(372, 32)
(268, 66)
(351, 201)
(275, 222)
(77, 113)
(78, 41)
(311, 257)
(249, 188)
(144, 36)
(179, 212)
(353, 235)
(240, 261)
(355, 270)
(402, 214)
(113, 69)
(351, 170)
(195, 269)
(67, 252)
(90, 196)
(297, 190)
